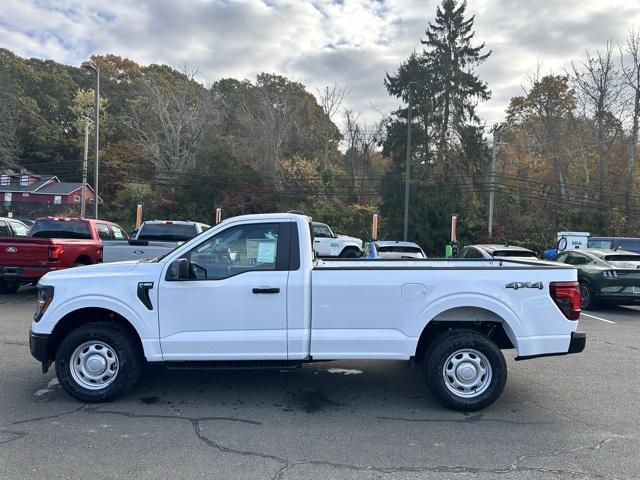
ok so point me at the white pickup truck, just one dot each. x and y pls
(250, 292)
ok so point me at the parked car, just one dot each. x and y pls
(10, 227)
(629, 244)
(27, 221)
(329, 244)
(53, 244)
(488, 251)
(394, 250)
(605, 276)
(249, 293)
(152, 239)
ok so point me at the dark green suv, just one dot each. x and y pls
(606, 276)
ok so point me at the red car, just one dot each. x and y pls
(53, 244)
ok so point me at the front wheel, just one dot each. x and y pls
(465, 370)
(98, 362)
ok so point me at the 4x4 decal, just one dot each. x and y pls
(519, 285)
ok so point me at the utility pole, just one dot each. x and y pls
(96, 69)
(407, 166)
(83, 201)
(495, 130)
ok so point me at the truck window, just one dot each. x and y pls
(236, 250)
(631, 244)
(118, 233)
(322, 231)
(168, 232)
(103, 231)
(4, 229)
(599, 243)
(78, 229)
(19, 229)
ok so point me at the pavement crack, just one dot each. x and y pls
(48, 417)
(14, 435)
(469, 419)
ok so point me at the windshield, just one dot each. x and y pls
(170, 232)
(78, 229)
(623, 261)
(514, 253)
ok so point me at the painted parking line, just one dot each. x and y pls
(597, 318)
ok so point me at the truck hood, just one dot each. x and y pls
(350, 239)
(90, 271)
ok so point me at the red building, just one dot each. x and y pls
(27, 192)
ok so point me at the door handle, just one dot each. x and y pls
(266, 290)
(317, 241)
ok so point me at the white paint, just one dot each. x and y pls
(596, 318)
(41, 392)
(345, 371)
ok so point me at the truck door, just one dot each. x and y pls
(233, 306)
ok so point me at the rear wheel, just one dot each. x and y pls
(465, 370)
(8, 287)
(98, 362)
(586, 293)
(350, 252)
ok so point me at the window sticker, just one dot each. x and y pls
(267, 251)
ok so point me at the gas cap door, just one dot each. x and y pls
(414, 292)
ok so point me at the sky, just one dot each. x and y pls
(316, 42)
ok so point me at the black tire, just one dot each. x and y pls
(350, 252)
(471, 341)
(129, 361)
(8, 287)
(586, 293)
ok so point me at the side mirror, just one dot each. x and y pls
(178, 270)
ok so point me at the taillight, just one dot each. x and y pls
(100, 253)
(55, 252)
(567, 297)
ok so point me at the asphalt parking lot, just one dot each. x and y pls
(560, 417)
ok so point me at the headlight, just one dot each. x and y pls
(610, 274)
(44, 299)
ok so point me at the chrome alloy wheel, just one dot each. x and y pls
(467, 373)
(94, 365)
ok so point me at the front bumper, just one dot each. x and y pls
(576, 345)
(39, 345)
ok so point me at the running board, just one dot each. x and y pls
(235, 365)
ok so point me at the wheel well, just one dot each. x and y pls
(483, 321)
(350, 247)
(83, 259)
(83, 316)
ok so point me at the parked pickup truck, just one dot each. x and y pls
(153, 239)
(329, 244)
(52, 244)
(250, 293)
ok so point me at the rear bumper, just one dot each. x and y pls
(11, 274)
(24, 274)
(577, 344)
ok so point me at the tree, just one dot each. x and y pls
(271, 109)
(169, 118)
(598, 84)
(8, 121)
(631, 76)
(330, 100)
(449, 51)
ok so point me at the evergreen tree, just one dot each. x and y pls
(449, 50)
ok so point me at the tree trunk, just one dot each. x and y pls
(633, 143)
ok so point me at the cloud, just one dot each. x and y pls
(317, 42)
